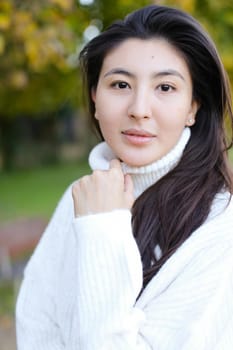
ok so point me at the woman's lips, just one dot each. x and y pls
(138, 137)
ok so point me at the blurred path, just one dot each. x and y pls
(7, 334)
(21, 236)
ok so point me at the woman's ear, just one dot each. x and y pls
(93, 96)
(191, 119)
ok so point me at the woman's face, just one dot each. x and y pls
(143, 100)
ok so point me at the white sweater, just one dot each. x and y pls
(81, 284)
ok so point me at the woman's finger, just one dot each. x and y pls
(115, 163)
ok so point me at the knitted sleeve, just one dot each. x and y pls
(188, 304)
(109, 281)
(36, 323)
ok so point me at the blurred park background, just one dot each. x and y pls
(44, 133)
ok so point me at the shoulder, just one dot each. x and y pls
(65, 203)
(221, 210)
(62, 216)
(217, 230)
(56, 236)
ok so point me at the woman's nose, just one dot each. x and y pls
(140, 107)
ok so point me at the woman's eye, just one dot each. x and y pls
(120, 85)
(166, 87)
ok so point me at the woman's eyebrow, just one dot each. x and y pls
(162, 73)
(119, 71)
(168, 72)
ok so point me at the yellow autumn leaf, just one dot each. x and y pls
(4, 21)
(18, 79)
(23, 24)
(63, 4)
(31, 50)
(42, 49)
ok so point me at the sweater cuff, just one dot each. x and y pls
(108, 223)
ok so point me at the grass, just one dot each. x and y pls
(35, 193)
(7, 295)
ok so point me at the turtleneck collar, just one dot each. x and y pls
(145, 176)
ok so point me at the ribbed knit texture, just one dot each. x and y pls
(81, 285)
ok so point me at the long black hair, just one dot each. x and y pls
(169, 211)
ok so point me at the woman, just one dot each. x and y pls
(138, 255)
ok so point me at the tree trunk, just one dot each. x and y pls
(8, 143)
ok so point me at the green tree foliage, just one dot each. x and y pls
(37, 40)
(109, 11)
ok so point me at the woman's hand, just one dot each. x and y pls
(103, 191)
